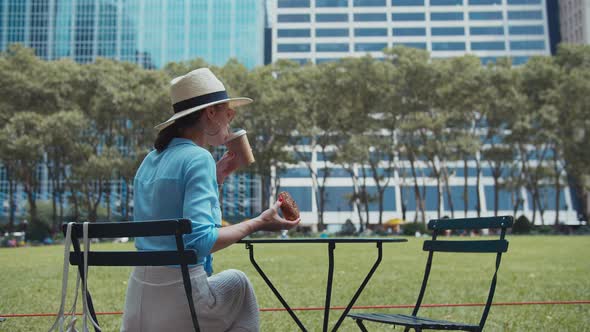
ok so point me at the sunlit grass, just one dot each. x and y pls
(539, 268)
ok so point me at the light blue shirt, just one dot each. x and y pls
(179, 182)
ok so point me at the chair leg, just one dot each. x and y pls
(359, 322)
(189, 295)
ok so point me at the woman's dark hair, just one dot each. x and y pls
(176, 129)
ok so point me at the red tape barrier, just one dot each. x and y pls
(394, 306)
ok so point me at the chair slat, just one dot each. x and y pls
(413, 321)
(132, 228)
(481, 246)
(471, 223)
(135, 258)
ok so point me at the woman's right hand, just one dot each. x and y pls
(270, 220)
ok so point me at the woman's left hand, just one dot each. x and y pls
(225, 166)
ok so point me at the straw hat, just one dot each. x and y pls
(195, 91)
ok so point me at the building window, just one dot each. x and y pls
(485, 16)
(301, 195)
(331, 3)
(408, 17)
(337, 199)
(293, 18)
(486, 31)
(519, 60)
(293, 33)
(332, 47)
(448, 46)
(370, 17)
(293, 47)
(331, 17)
(407, 2)
(324, 60)
(524, 2)
(448, 31)
(412, 45)
(446, 2)
(485, 2)
(300, 61)
(527, 45)
(450, 16)
(369, 47)
(525, 15)
(487, 59)
(331, 32)
(293, 4)
(370, 32)
(369, 3)
(409, 31)
(526, 30)
(488, 46)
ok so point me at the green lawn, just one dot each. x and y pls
(539, 268)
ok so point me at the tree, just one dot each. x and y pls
(501, 102)
(416, 81)
(62, 133)
(460, 98)
(531, 130)
(23, 142)
(572, 98)
(314, 111)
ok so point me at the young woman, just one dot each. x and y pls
(180, 179)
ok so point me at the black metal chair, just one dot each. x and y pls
(175, 228)
(438, 227)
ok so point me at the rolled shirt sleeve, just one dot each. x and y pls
(201, 206)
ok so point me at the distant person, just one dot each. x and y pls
(180, 179)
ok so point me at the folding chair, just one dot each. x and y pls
(180, 256)
(438, 227)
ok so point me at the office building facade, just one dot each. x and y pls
(320, 31)
(325, 30)
(574, 18)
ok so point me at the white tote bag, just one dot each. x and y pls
(61, 323)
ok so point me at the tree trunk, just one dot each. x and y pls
(465, 189)
(108, 199)
(418, 196)
(557, 188)
(534, 197)
(438, 202)
(61, 205)
(477, 182)
(355, 198)
(32, 204)
(54, 223)
(11, 203)
(365, 195)
(127, 193)
(496, 195)
(448, 191)
(381, 194)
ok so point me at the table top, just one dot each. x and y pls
(326, 240)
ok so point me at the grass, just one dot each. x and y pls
(536, 268)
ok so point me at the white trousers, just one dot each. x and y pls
(156, 301)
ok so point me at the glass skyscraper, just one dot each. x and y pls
(149, 32)
(324, 30)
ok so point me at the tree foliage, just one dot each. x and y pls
(377, 120)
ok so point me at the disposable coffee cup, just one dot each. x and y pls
(238, 144)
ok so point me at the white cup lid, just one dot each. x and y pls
(236, 134)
